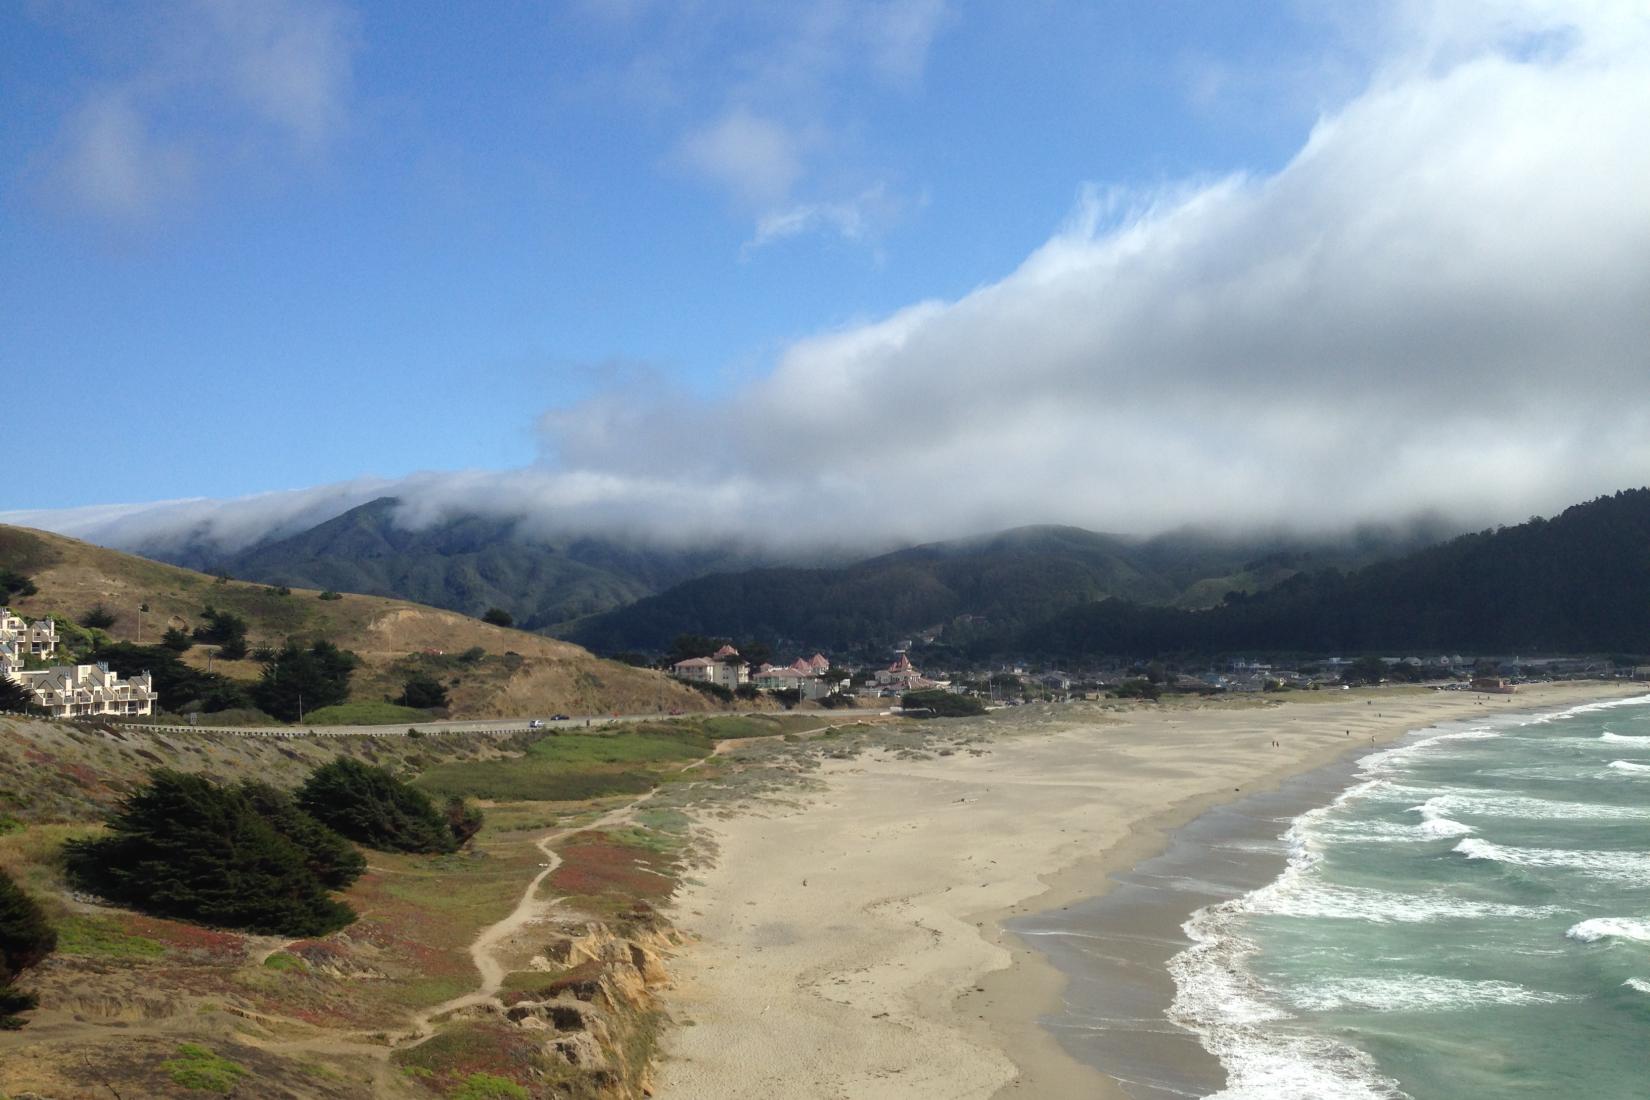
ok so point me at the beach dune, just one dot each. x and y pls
(846, 941)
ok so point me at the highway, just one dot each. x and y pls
(478, 726)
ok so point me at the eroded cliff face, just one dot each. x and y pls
(587, 1029)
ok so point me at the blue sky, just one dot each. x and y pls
(590, 246)
(453, 221)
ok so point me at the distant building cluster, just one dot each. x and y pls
(66, 691)
(728, 669)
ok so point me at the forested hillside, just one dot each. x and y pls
(977, 591)
(1576, 583)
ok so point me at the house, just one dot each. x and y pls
(724, 667)
(84, 691)
(20, 640)
(1495, 685)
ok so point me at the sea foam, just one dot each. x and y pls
(1416, 993)
(1623, 866)
(1629, 767)
(1600, 928)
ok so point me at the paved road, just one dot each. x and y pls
(481, 726)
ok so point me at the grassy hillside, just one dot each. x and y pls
(515, 673)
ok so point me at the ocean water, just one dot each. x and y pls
(1469, 919)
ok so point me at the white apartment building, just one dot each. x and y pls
(20, 640)
(88, 691)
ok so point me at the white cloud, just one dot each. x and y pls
(109, 162)
(1437, 305)
(208, 82)
(855, 219)
(753, 157)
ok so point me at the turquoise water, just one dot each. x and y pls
(1470, 920)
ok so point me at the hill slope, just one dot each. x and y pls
(987, 587)
(472, 563)
(519, 673)
(1576, 583)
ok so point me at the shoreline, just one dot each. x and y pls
(1045, 1064)
(854, 940)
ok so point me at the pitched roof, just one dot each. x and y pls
(726, 651)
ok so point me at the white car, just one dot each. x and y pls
(536, 724)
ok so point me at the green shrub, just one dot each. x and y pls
(177, 640)
(98, 618)
(487, 1086)
(715, 691)
(197, 1068)
(372, 807)
(329, 594)
(422, 692)
(304, 679)
(188, 849)
(498, 617)
(942, 704)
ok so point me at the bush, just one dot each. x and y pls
(788, 697)
(329, 594)
(98, 618)
(25, 940)
(1137, 689)
(221, 628)
(499, 617)
(838, 701)
(463, 820)
(423, 692)
(197, 1068)
(372, 807)
(188, 849)
(746, 691)
(942, 704)
(13, 583)
(487, 1086)
(234, 649)
(177, 640)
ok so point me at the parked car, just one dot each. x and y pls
(560, 718)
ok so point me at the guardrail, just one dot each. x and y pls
(283, 733)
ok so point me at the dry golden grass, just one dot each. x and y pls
(543, 676)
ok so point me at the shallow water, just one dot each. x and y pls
(1468, 918)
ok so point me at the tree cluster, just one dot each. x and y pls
(422, 691)
(13, 583)
(241, 857)
(298, 680)
(225, 630)
(181, 687)
(26, 938)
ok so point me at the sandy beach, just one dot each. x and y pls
(847, 941)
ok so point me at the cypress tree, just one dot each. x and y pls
(189, 849)
(331, 858)
(372, 807)
(25, 940)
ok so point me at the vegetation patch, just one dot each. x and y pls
(373, 807)
(448, 1061)
(198, 1068)
(607, 874)
(573, 767)
(104, 938)
(365, 713)
(487, 1086)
